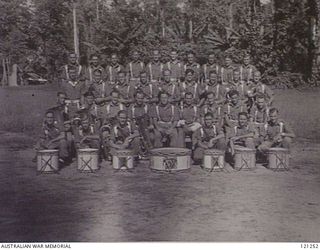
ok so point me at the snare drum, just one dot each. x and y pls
(213, 160)
(122, 159)
(88, 160)
(244, 158)
(48, 161)
(278, 159)
(170, 159)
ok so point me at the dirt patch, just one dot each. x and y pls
(261, 205)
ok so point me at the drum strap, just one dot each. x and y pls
(205, 70)
(90, 74)
(110, 73)
(218, 89)
(150, 70)
(130, 68)
(281, 127)
(67, 71)
(173, 89)
(222, 74)
(266, 127)
(241, 71)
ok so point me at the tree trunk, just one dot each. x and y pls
(314, 39)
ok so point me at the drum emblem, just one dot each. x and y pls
(170, 163)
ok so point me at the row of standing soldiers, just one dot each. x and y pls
(173, 104)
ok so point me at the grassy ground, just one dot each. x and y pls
(22, 108)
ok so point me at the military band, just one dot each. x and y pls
(163, 104)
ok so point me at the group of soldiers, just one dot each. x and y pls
(177, 104)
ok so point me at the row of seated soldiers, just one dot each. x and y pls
(142, 115)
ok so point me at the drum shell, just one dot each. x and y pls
(43, 156)
(213, 160)
(88, 157)
(278, 158)
(122, 159)
(244, 158)
(170, 159)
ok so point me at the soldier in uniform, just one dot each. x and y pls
(170, 87)
(51, 137)
(210, 66)
(277, 133)
(191, 85)
(189, 118)
(125, 89)
(86, 135)
(72, 63)
(227, 71)
(232, 109)
(259, 87)
(139, 113)
(191, 64)
(110, 110)
(98, 86)
(155, 67)
(246, 70)
(213, 85)
(209, 136)
(95, 65)
(240, 86)
(124, 135)
(165, 119)
(60, 111)
(114, 68)
(134, 67)
(150, 90)
(92, 110)
(175, 66)
(74, 88)
(243, 133)
(212, 106)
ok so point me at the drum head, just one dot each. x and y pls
(170, 151)
(275, 150)
(88, 150)
(48, 151)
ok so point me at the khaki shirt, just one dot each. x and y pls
(155, 70)
(272, 130)
(233, 110)
(176, 69)
(189, 113)
(168, 113)
(134, 69)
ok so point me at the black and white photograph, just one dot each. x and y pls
(159, 121)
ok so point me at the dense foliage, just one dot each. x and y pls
(276, 33)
